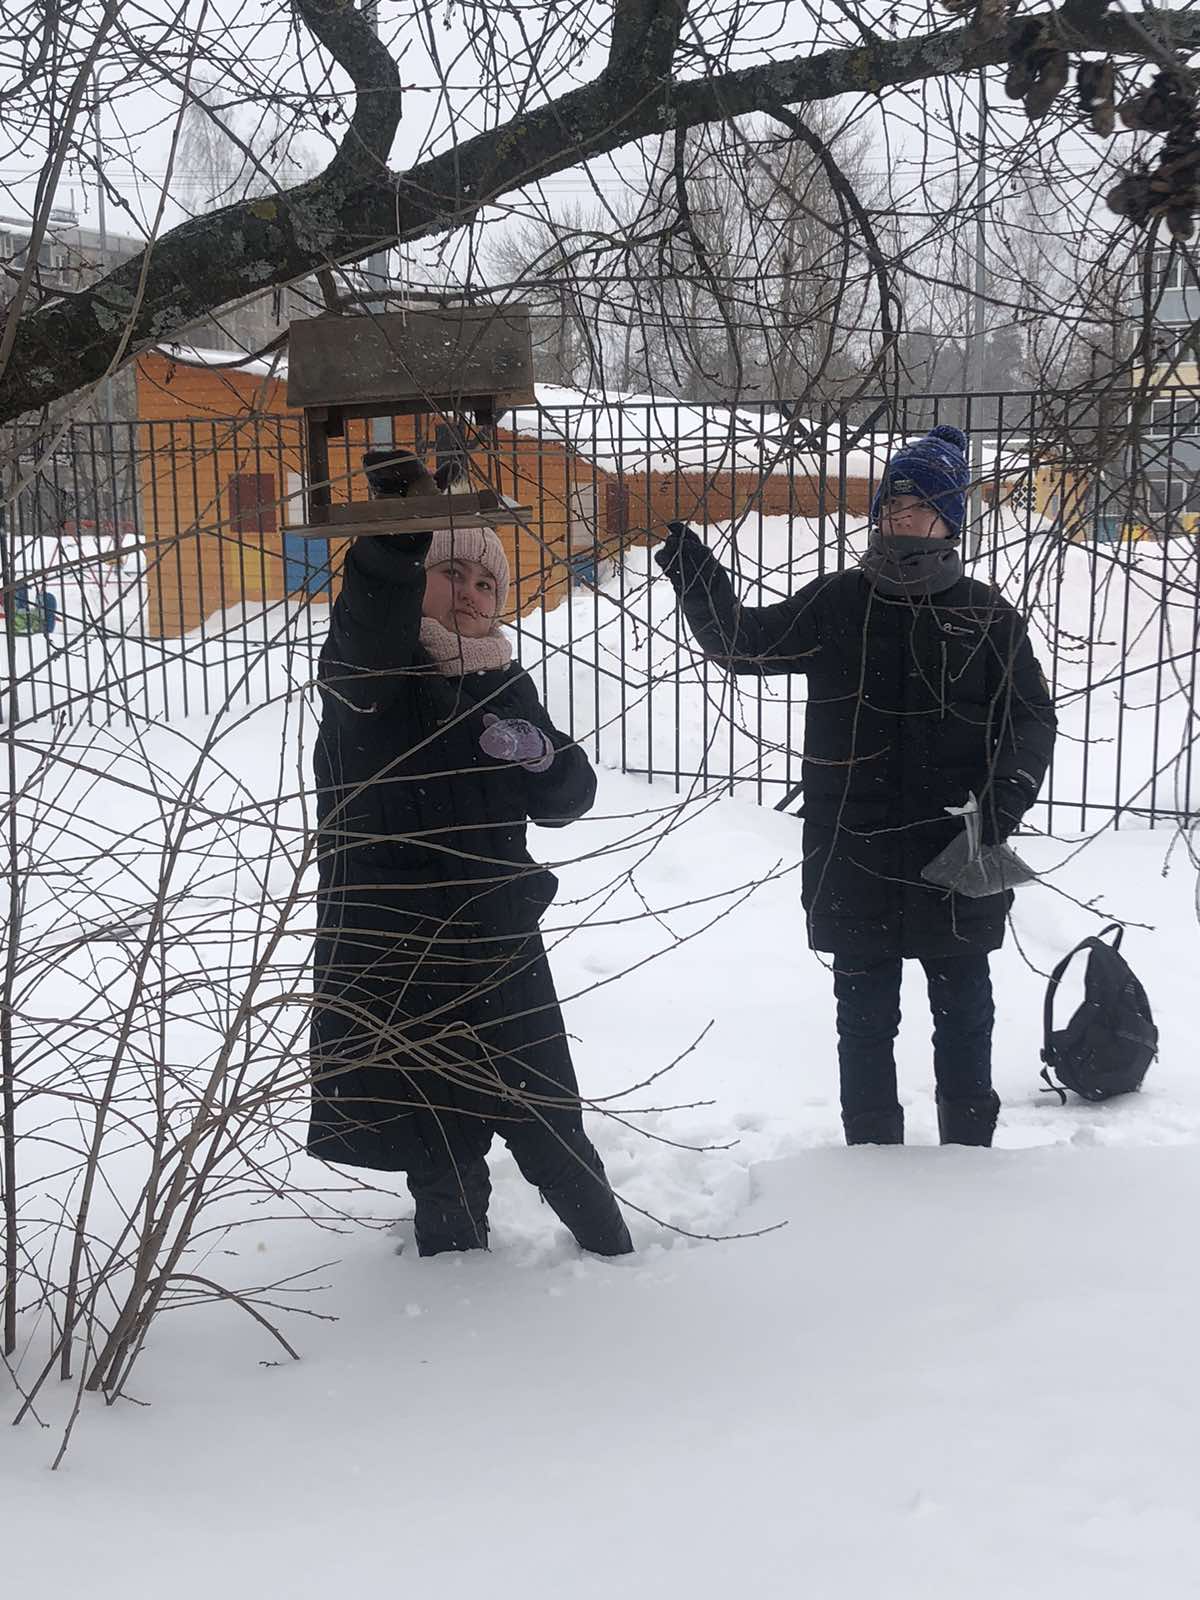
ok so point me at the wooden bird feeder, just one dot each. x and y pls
(458, 359)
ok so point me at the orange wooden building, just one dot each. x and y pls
(222, 479)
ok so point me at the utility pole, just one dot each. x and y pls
(978, 328)
(106, 386)
(377, 269)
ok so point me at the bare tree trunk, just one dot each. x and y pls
(8, 1071)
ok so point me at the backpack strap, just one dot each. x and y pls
(1051, 1086)
(1092, 942)
(1048, 1021)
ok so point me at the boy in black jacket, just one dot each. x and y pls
(922, 688)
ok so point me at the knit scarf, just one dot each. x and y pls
(454, 655)
(907, 568)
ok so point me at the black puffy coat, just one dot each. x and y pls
(912, 704)
(431, 984)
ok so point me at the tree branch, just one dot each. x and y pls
(352, 42)
(889, 304)
(355, 205)
(645, 34)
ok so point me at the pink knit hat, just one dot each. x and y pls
(472, 544)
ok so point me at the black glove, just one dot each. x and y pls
(390, 556)
(678, 534)
(1000, 811)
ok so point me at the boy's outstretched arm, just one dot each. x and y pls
(760, 640)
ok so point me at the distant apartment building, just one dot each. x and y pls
(1168, 448)
(72, 256)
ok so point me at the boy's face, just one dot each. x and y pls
(910, 518)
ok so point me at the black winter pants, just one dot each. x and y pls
(868, 1020)
(488, 1013)
(521, 1042)
(452, 1188)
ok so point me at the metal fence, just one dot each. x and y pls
(114, 534)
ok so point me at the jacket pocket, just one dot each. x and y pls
(853, 812)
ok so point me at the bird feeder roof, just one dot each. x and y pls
(456, 358)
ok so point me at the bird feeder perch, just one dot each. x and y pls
(459, 359)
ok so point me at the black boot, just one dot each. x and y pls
(580, 1195)
(591, 1212)
(560, 1160)
(875, 1127)
(451, 1206)
(970, 1122)
(445, 1234)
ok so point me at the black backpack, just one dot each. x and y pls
(1109, 1043)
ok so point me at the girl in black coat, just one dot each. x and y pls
(922, 688)
(436, 1022)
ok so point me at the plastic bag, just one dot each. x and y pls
(966, 866)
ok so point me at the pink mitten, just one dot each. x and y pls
(516, 741)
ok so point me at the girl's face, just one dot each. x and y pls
(911, 518)
(461, 595)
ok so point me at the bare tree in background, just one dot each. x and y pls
(761, 300)
(230, 152)
(557, 260)
(227, 153)
(748, 297)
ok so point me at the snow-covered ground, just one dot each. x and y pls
(946, 1372)
(950, 1375)
(950, 1370)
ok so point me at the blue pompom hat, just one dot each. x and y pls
(934, 468)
